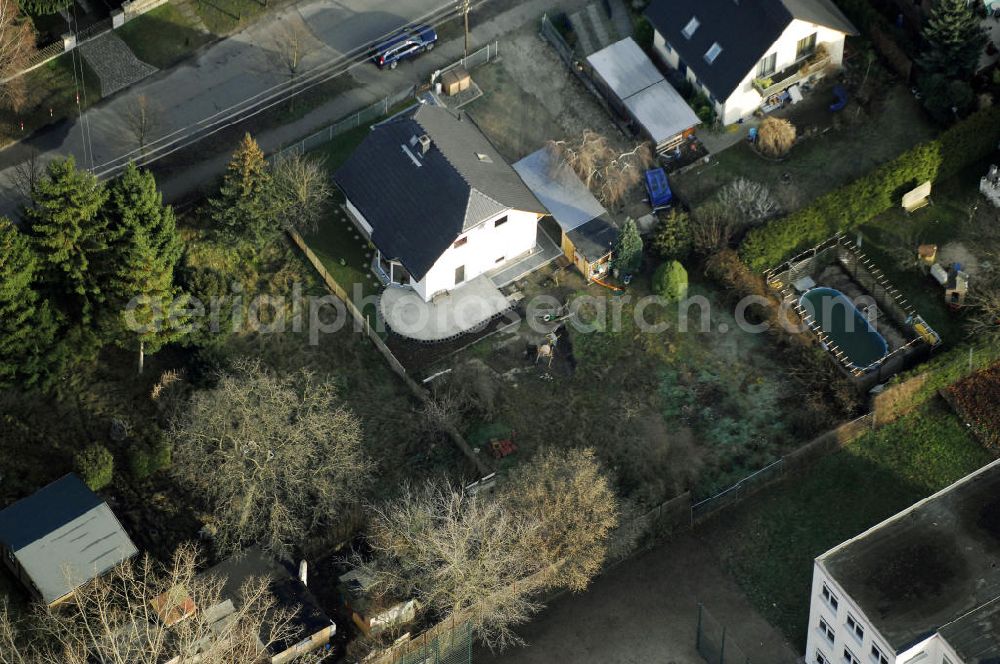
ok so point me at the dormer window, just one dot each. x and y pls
(689, 29)
(712, 53)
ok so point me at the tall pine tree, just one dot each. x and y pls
(954, 39)
(68, 235)
(628, 249)
(27, 327)
(243, 208)
(143, 304)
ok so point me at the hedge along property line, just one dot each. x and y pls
(911, 389)
(861, 201)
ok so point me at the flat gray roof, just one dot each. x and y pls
(976, 637)
(640, 86)
(64, 535)
(929, 565)
(562, 193)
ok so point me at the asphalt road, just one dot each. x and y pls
(237, 68)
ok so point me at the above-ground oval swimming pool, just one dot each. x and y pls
(845, 326)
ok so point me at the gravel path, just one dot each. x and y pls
(114, 63)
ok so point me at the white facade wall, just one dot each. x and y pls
(933, 650)
(483, 250)
(360, 219)
(745, 99)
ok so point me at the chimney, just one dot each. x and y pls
(304, 572)
(425, 143)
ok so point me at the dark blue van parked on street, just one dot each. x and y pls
(406, 43)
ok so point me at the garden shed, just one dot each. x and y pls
(636, 90)
(588, 233)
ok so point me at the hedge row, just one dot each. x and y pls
(860, 201)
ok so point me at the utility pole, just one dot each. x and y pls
(466, 7)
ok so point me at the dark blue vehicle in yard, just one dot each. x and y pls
(404, 44)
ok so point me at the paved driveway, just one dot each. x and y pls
(646, 612)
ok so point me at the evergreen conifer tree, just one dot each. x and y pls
(954, 40)
(243, 208)
(68, 236)
(143, 250)
(628, 249)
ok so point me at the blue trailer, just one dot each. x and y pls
(658, 188)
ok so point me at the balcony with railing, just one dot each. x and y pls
(792, 74)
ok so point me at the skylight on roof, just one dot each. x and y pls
(713, 53)
(690, 27)
(485, 158)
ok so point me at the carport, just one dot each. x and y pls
(636, 90)
(588, 233)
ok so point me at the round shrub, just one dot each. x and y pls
(775, 137)
(144, 460)
(670, 281)
(95, 465)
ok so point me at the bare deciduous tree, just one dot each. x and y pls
(984, 303)
(607, 172)
(116, 619)
(274, 456)
(291, 44)
(485, 557)
(28, 173)
(17, 43)
(461, 556)
(302, 193)
(747, 202)
(712, 229)
(143, 120)
(565, 493)
(775, 137)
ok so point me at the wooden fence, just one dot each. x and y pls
(364, 324)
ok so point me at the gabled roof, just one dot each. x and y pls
(744, 29)
(639, 85)
(64, 535)
(418, 202)
(288, 591)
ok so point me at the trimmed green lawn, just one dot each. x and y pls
(225, 16)
(162, 37)
(820, 163)
(52, 90)
(770, 542)
(894, 235)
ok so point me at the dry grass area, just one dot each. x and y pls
(530, 97)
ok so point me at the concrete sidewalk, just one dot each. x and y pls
(645, 611)
(373, 85)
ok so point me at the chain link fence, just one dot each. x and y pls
(366, 115)
(714, 644)
(448, 645)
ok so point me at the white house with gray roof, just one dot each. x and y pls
(61, 537)
(922, 587)
(438, 202)
(745, 54)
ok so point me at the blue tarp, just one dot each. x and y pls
(658, 188)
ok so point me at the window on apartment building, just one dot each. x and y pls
(689, 29)
(827, 631)
(821, 658)
(712, 53)
(460, 241)
(853, 625)
(500, 222)
(849, 657)
(767, 65)
(805, 47)
(879, 658)
(830, 598)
